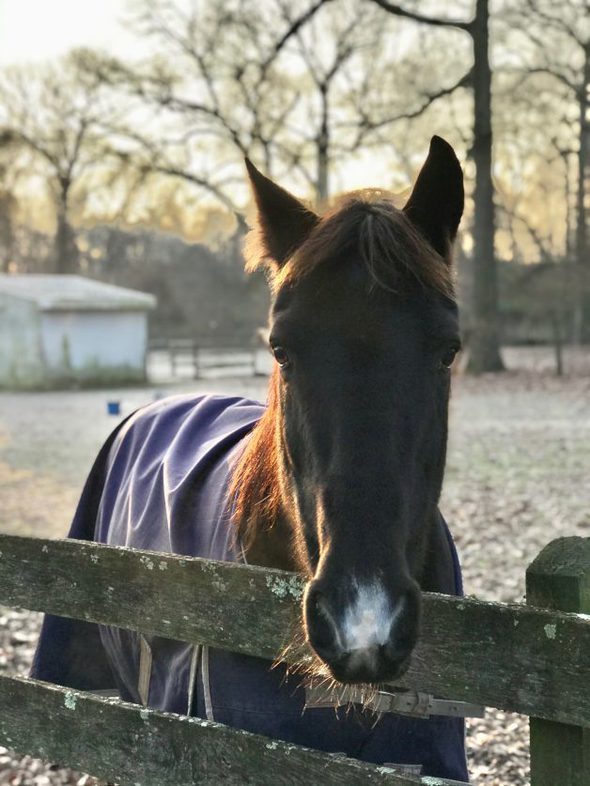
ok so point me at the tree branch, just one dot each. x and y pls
(368, 125)
(397, 10)
(293, 29)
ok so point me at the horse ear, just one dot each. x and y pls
(283, 221)
(436, 203)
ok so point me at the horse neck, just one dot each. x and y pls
(264, 529)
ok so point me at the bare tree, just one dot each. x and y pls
(286, 83)
(214, 96)
(536, 173)
(484, 354)
(343, 59)
(564, 52)
(52, 116)
(558, 56)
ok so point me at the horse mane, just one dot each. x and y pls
(365, 225)
(253, 487)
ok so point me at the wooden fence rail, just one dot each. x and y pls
(521, 658)
(514, 657)
(132, 745)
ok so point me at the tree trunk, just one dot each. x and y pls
(557, 343)
(6, 233)
(582, 193)
(66, 251)
(484, 351)
(583, 165)
(7, 204)
(323, 146)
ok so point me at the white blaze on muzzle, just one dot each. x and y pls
(368, 621)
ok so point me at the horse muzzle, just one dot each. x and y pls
(367, 639)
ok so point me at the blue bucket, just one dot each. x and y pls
(114, 407)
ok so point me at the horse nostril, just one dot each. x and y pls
(396, 648)
(392, 653)
(322, 630)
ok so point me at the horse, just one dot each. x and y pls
(337, 477)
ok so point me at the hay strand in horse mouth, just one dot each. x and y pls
(315, 679)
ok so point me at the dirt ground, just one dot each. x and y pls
(517, 477)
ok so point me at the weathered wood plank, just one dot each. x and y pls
(517, 658)
(133, 746)
(559, 578)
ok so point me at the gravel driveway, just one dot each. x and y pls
(517, 476)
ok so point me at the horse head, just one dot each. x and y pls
(342, 476)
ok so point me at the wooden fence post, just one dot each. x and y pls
(559, 579)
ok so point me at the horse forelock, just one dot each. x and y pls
(367, 226)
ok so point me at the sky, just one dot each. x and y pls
(39, 30)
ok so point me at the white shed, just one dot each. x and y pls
(57, 330)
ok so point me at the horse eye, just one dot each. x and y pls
(447, 359)
(280, 356)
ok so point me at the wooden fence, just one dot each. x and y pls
(531, 659)
(190, 358)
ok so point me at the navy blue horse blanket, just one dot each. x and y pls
(160, 482)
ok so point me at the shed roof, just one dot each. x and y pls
(75, 293)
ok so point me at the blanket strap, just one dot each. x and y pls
(415, 704)
(206, 684)
(145, 670)
(192, 677)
